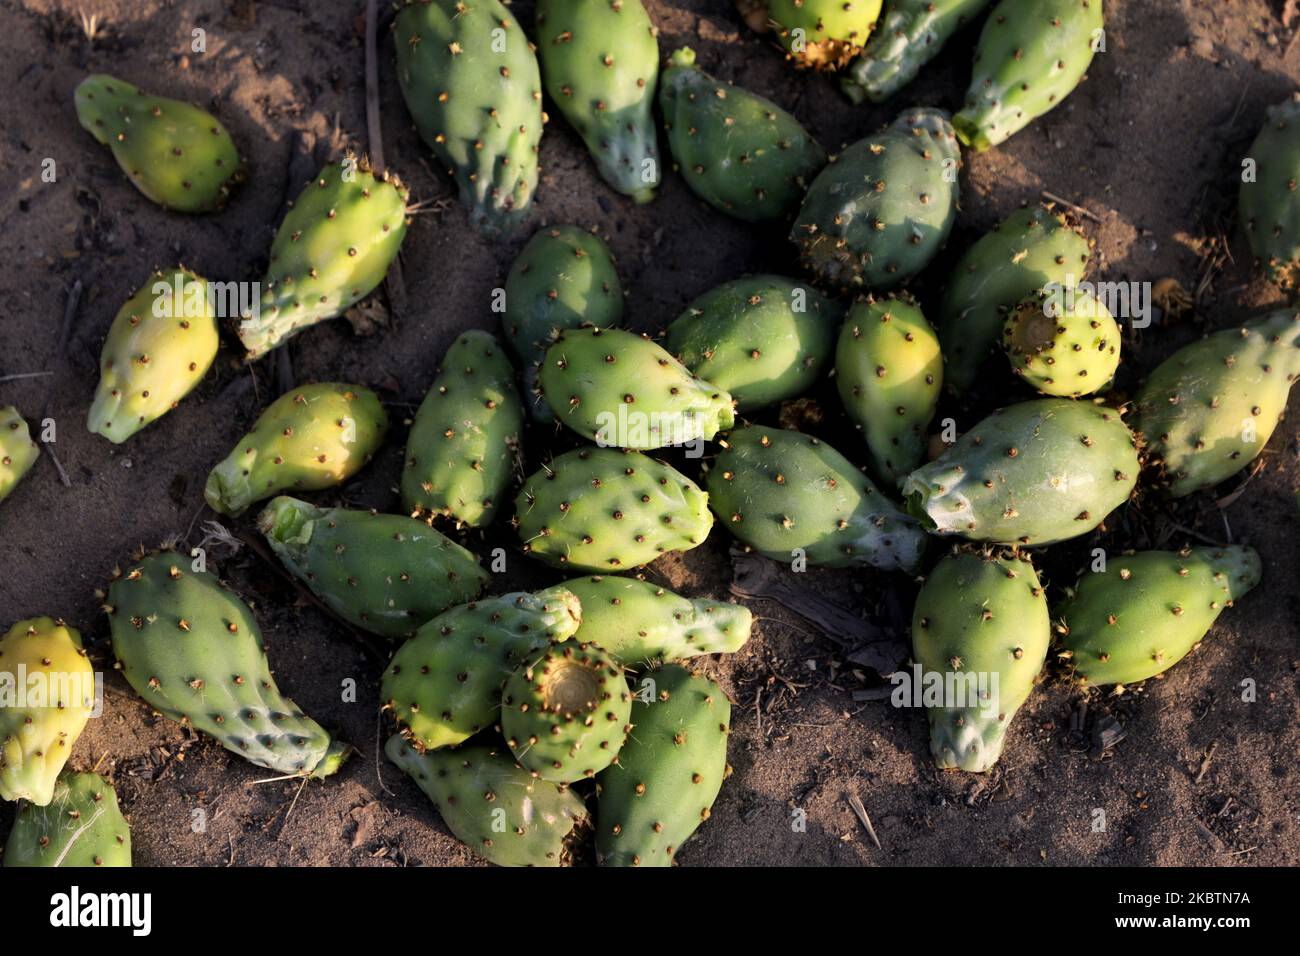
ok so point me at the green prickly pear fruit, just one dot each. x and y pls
(889, 372)
(332, 250)
(763, 339)
(1031, 55)
(823, 35)
(739, 152)
(909, 35)
(604, 509)
(638, 622)
(619, 388)
(1209, 409)
(788, 495)
(471, 83)
(1269, 203)
(600, 63)
(668, 773)
(1145, 612)
(492, 805)
(17, 450)
(313, 437)
(51, 696)
(161, 344)
(178, 155)
(884, 207)
(387, 574)
(1030, 474)
(565, 712)
(464, 441)
(1032, 249)
(194, 652)
(444, 684)
(981, 624)
(1062, 342)
(81, 826)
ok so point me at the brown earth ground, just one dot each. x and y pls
(1149, 146)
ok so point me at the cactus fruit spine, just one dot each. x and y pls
(889, 372)
(387, 574)
(1269, 202)
(739, 152)
(668, 773)
(909, 35)
(620, 388)
(1062, 342)
(565, 712)
(81, 826)
(1031, 474)
(194, 652)
(464, 442)
(178, 155)
(17, 450)
(1209, 409)
(161, 344)
(1031, 55)
(492, 805)
(639, 622)
(979, 619)
(444, 684)
(313, 437)
(600, 62)
(1145, 612)
(332, 250)
(479, 108)
(39, 727)
(784, 493)
(817, 34)
(884, 207)
(603, 509)
(1031, 249)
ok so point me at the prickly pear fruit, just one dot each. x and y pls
(603, 509)
(444, 684)
(981, 625)
(820, 35)
(178, 155)
(565, 712)
(17, 450)
(1144, 612)
(1030, 250)
(889, 372)
(387, 574)
(763, 339)
(882, 209)
(82, 826)
(161, 344)
(194, 652)
(1209, 409)
(638, 622)
(622, 389)
(909, 35)
(782, 493)
(739, 152)
(492, 805)
(1032, 474)
(600, 62)
(332, 250)
(479, 108)
(668, 773)
(464, 441)
(1063, 342)
(1269, 203)
(1030, 56)
(51, 695)
(313, 437)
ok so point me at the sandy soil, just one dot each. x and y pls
(1150, 146)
